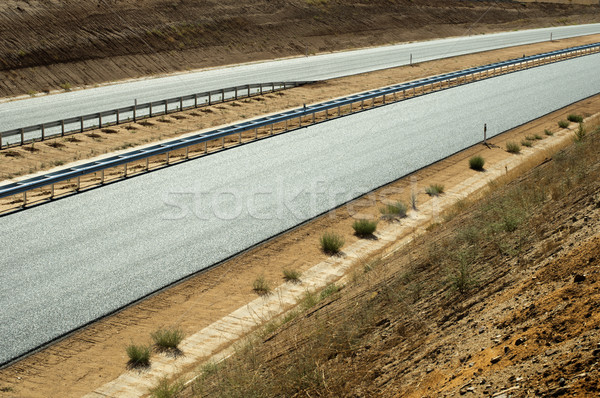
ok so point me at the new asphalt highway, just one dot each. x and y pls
(68, 262)
(43, 109)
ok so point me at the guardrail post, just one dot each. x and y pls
(222, 95)
(240, 135)
(209, 99)
(52, 191)
(384, 98)
(101, 177)
(339, 110)
(118, 116)
(24, 198)
(135, 111)
(0, 140)
(180, 103)
(150, 109)
(205, 147)
(22, 136)
(147, 164)
(261, 89)
(62, 128)
(195, 100)
(43, 134)
(223, 142)
(248, 87)
(78, 184)
(81, 123)
(100, 119)
(125, 170)
(272, 87)
(286, 125)
(187, 152)
(272, 124)
(313, 115)
(168, 158)
(166, 107)
(300, 121)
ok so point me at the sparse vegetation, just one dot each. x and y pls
(575, 118)
(55, 144)
(364, 227)
(12, 154)
(139, 356)
(563, 124)
(580, 133)
(476, 163)
(527, 143)
(164, 389)
(434, 190)
(261, 286)
(513, 147)
(66, 86)
(548, 132)
(331, 243)
(167, 338)
(397, 209)
(537, 137)
(290, 275)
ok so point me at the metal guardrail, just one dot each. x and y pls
(78, 124)
(306, 114)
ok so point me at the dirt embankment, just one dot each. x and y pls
(46, 45)
(498, 300)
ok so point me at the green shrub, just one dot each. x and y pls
(329, 290)
(261, 286)
(166, 390)
(476, 163)
(548, 133)
(575, 118)
(563, 124)
(290, 275)
(580, 133)
(364, 227)
(166, 339)
(139, 355)
(537, 136)
(527, 143)
(331, 243)
(434, 190)
(513, 147)
(397, 209)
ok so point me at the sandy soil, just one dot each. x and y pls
(58, 44)
(96, 355)
(19, 161)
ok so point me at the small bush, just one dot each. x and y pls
(66, 86)
(331, 243)
(166, 390)
(580, 133)
(167, 339)
(548, 133)
(434, 190)
(575, 118)
(139, 355)
(527, 143)
(476, 163)
(563, 124)
(261, 286)
(364, 227)
(513, 147)
(329, 290)
(397, 209)
(537, 137)
(290, 275)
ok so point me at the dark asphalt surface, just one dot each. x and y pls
(67, 262)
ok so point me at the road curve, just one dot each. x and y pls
(33, 111)
(75, 259)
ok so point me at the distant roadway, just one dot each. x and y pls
(37, 110)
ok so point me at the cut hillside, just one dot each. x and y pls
(500, 299)
(57, 44)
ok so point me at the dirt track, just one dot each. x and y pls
(50, 45)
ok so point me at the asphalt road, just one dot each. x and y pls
(70, 261)
(33, 111)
